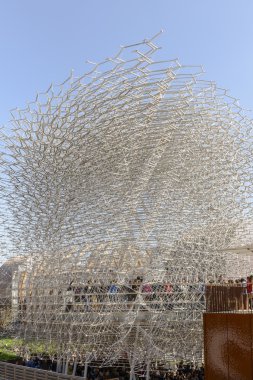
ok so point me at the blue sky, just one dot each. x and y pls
(42, 40)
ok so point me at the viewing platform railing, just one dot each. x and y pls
(228, 298)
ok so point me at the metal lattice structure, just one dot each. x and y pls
(123, 187)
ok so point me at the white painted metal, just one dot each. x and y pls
(123, 187)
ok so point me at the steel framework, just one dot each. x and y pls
(122, 188)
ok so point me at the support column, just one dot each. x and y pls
(59, 365)
(74, 367)
(148, 370)
(66, 366)
(131, 372)
(85, 369)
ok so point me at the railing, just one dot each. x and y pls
(18, 372)
(226, 297)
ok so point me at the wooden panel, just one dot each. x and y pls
(239, 346)
(16, 372)
(216, 346)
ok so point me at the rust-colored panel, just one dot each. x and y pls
(239, 346)
(216, 346)
(251, 320)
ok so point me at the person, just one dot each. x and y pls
(130, 293)
(135, 286)
(250, 290)
(249, 285)
(113, 290)
(94, 295)
(168, 289)
(147, 289)
(77, 291)
(69, 298)
(85, 298)
(33, 362)
(36, 362)
(30, 363)
(220, 279)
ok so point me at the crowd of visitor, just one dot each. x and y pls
(94, 295)
(247, 282)
(163, 295)
(182, 371)
(187, 371)
(105, 295)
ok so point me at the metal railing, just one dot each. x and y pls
(18, 372)
(227, 298)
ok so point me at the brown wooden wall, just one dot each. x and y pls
(228, 343)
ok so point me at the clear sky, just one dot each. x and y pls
(42, 40)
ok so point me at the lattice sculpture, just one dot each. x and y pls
(123, 188)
